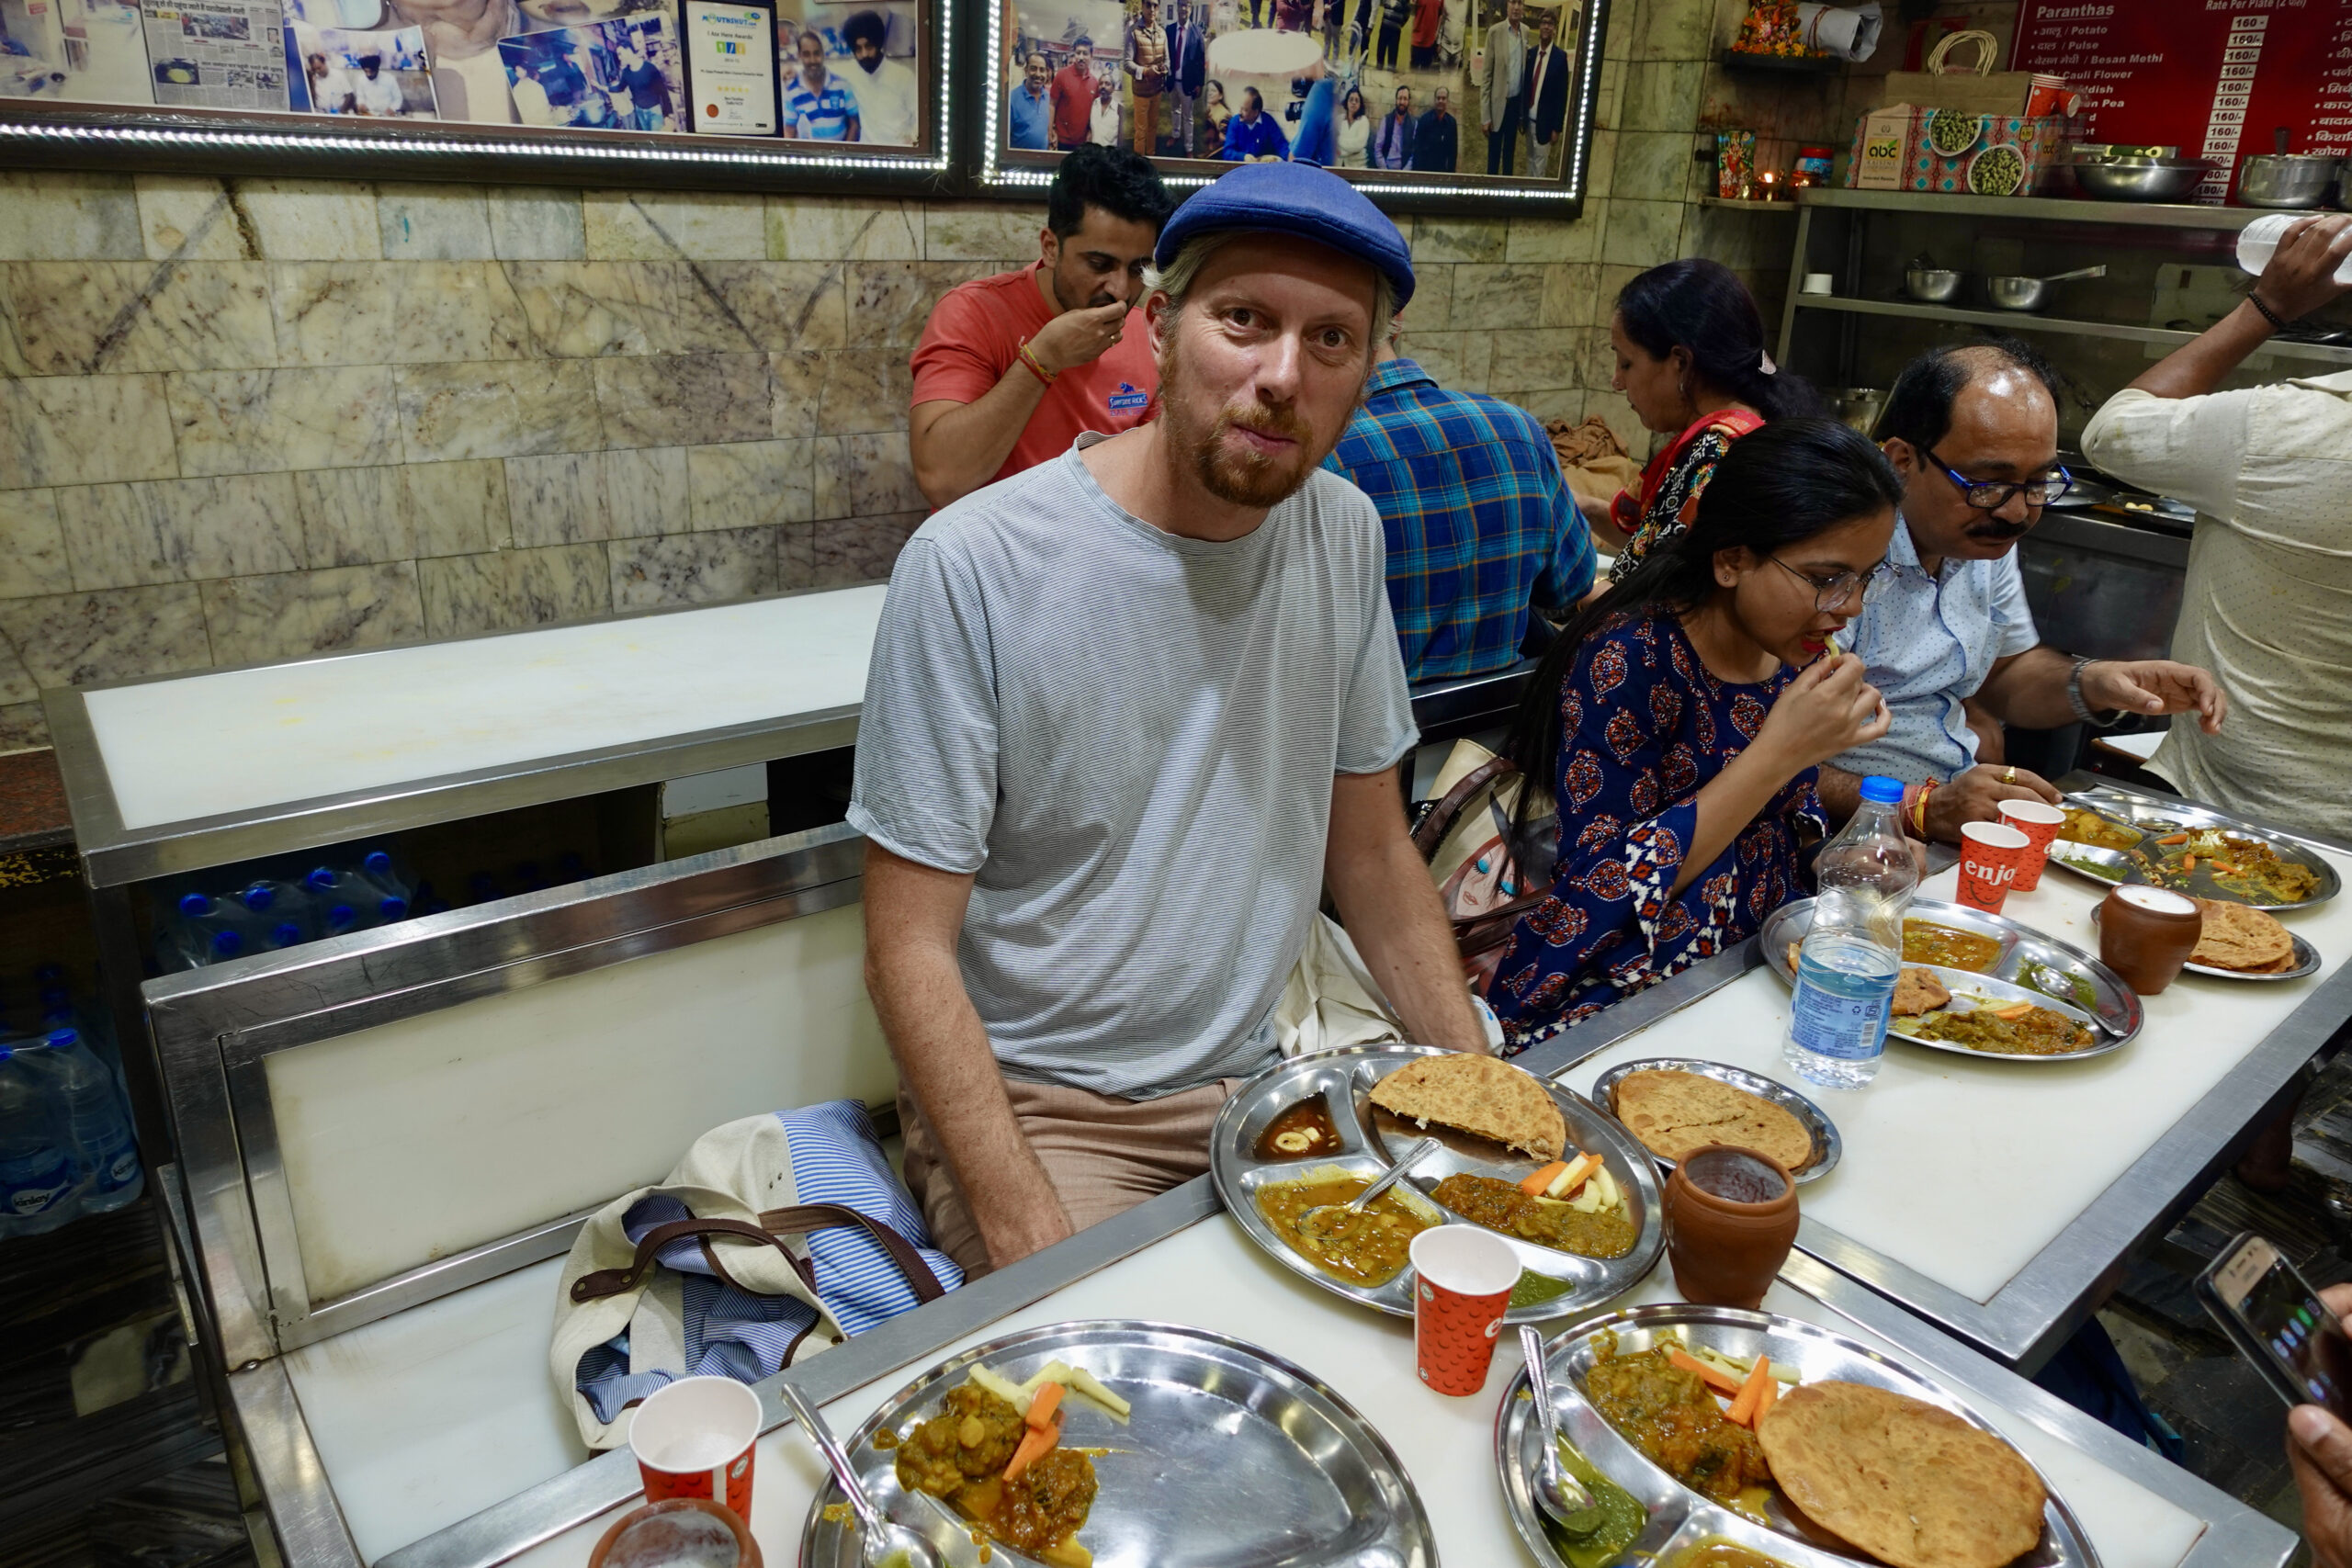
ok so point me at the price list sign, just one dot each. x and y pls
(2214, 78)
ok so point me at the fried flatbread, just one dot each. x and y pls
(1912, 1484)
(1675, 1114)
(1478, 1095)
(2237, 936)
(1917, 991)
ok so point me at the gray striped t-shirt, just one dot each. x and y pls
(1129, 739)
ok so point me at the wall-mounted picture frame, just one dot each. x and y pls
(580, 92)
(1429, 105)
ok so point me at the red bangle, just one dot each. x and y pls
(1030, 359)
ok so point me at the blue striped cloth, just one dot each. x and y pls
(836, 1159)
(1478, 520)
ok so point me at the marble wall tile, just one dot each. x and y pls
(1661, 95)
(1596, 358)
(17, 687)
(458, 508)
(68, 216)
(536, 224)
(1612, 409)
(32, 546)
(1670, 29)
(189, 218)
(1432, 307)
(1602, 174)
(1507, 298)
(851, 551)
(1550, 240)
(577, 497)
(1563, 404)
(1641, 233)
(294, 614)
(796, 390)
(90, 317)
(512, 409)
(65, 430)
(73, 640)
(796, 556)
(585, 309)
(445, 311)
(880, 474)
(501, 588)
(724, 307)
(1656, 164)
(157, 531)
(805, 229)
(658, 226)
(333, 312)
(695, 568)
(24, 726)
(1459, 361)
(890, 301)
(683, 400)
(1572, 296)
(989, 234)
(866, 389)
(355, 516)
(1535, 361)
(433, 223)
(748, 483)
(646, 490)
(310, 220)
(230, 421)
(1459, 240)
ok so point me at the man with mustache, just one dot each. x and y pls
(1129, 713)
(1974, 431)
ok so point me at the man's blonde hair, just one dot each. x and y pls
(1177, 279)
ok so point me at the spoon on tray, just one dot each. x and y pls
(1330, 1221)
(887, 1545)
(1558, 1492)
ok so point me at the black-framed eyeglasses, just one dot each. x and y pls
(1833, 593)
(1991, 495)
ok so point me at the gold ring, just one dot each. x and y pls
(2011, 776)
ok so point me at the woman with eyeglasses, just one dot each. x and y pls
(1690, 352)
(1678, 724)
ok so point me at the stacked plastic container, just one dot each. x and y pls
(66, 1143)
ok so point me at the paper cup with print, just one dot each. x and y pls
(693, 1439)
(2040, 823)
(1989, 853)
(1461, 1290)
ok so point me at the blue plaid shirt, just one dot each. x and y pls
(1479, 522)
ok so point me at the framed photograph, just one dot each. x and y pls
(1435, 105)
(786, 94)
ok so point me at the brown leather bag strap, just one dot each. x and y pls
(828, 1216)
(1442, 816)
(605, 1282)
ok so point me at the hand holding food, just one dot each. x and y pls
(1079, 337)
(1828, 709)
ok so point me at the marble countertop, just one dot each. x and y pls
(33, 803)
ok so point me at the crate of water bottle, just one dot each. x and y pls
(265, 906)
(66, 1145)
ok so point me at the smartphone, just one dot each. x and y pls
(2270, 1312)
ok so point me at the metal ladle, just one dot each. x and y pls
(887, 1545)
(1329, 1221)
(1558, 1492)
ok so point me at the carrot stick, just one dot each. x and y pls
(1751, 1394)
(1764, 1405)
(1034, 1444)
(1534, 1185)
(1721, 1382)
(2170, 839)
(1581, 1169)
(1041, 1408)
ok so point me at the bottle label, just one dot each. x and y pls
(115, 1173)
(25, 1196)
(1849, 1028)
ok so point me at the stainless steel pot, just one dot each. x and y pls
(1935, 285)
(2033, 293)
(2285, 179)
(2138, 179)
(1858, 406)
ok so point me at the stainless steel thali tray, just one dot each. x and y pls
(2074, 980)
(1324, 1489)
(1827, 1146)
(1369, 1143)
(1679, 1516)
(2151, 818)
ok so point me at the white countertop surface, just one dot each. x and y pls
(1964, 1169)
(419, 1422)
(240, 739)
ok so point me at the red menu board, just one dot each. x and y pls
(2212, 78)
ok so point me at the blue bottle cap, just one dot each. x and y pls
(1882, 789)
(321, 879)
(259, 896)
(62, 1039)
(340, 916)
(227, 945)
(286, 933)
(195, 906)
(376, 863)
(393, 908)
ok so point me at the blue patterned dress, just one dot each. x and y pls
(1644, 726)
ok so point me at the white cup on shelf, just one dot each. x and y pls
(1815, 283)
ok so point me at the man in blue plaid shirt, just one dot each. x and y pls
(1480, 523)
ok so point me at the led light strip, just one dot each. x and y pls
(997, 173)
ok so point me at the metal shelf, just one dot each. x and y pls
(2022, 321)
(1746, 204)
(2129, 214)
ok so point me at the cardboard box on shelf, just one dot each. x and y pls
(2026, 95)
(1908, 147)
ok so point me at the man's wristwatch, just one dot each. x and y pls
(2074, 689)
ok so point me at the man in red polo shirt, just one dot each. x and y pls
(1012, 370)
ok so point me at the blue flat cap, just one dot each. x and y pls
(1293, 198)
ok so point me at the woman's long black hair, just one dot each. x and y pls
(1777, 486)
(1702, 306)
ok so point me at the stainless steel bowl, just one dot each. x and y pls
(2285, 179)
(2033, 293)
(1858, 406)
(2138, 179)
(1935, 285)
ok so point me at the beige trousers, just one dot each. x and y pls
(1104, 1155)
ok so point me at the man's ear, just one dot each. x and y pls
(1901, 454)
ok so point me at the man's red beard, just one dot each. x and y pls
(1246, 476)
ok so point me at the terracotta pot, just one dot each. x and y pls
(1731, 1217)
(2145, 934)
(680, 1531)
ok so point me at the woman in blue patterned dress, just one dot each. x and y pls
(1679, 722)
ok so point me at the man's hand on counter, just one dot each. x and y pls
(2155, 686)
(2319, 1448)
(1977, 795)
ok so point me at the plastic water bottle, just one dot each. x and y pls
(1847, 967)
(96, 1123)
(356, 901)
(2259, 242)
(36, 1178)
(203, 930)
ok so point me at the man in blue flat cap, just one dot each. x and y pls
(1129, 713)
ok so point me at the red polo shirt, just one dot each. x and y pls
(1073, 93)
(973, 337)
